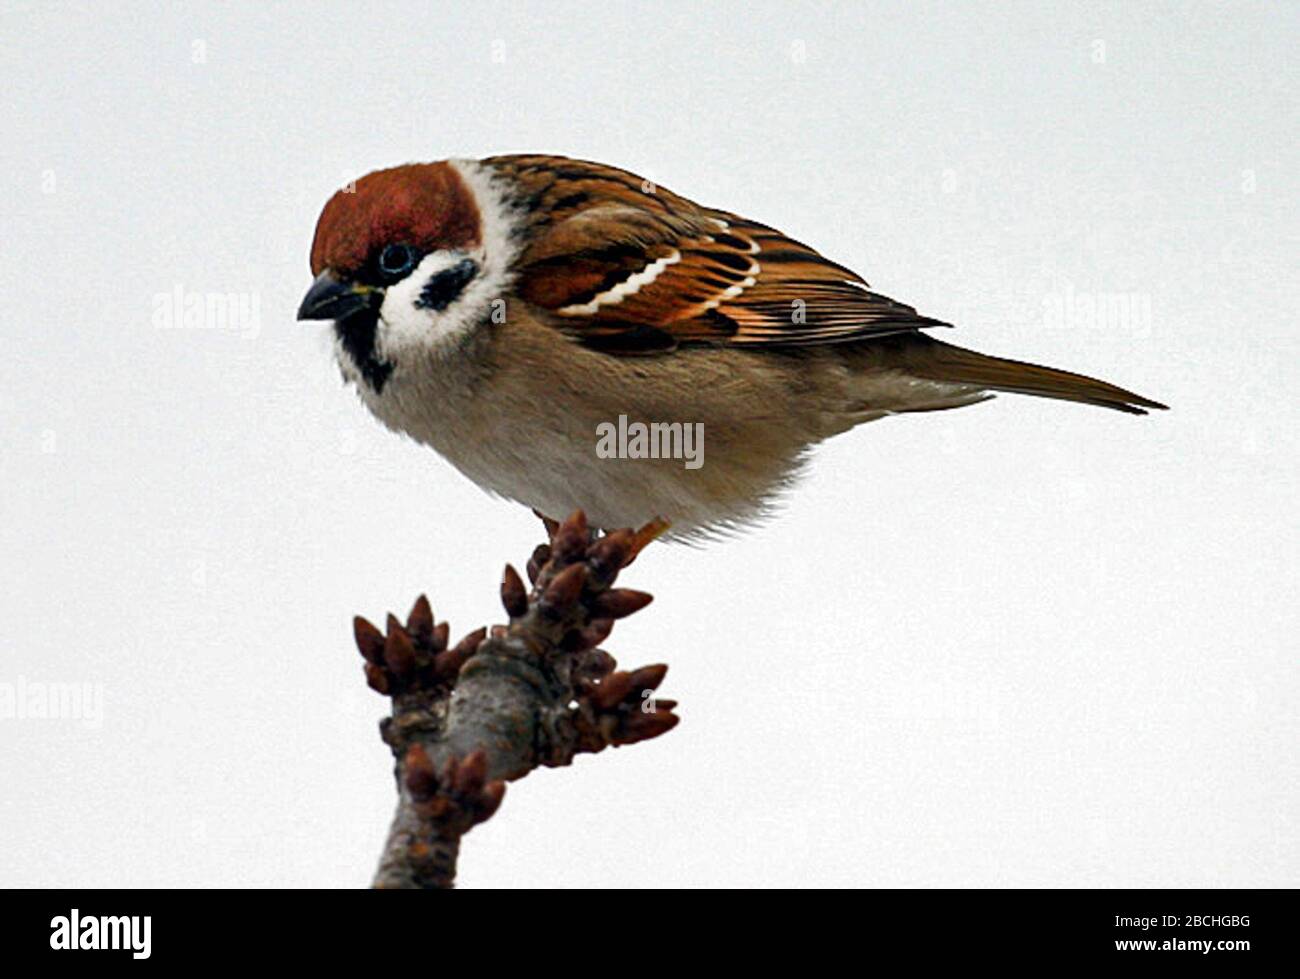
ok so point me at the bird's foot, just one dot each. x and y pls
(641, 538)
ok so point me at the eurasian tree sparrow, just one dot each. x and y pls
(504, 310)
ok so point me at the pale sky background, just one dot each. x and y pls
(1021, 644)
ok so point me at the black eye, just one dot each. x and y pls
(396, 261)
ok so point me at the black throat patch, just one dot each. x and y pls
(357, 334)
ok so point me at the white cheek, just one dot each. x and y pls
(407, 331)
(405, 326)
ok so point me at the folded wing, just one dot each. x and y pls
(629, 267)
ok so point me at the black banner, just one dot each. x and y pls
(1222, 930)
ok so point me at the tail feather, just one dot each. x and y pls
(937, 361)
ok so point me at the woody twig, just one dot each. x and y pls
(536, 692)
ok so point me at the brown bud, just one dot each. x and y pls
(571, 538)
(598, 631)
(446, 666)
(612, 690)
(547, 522)
(597, 662)
(418, 771)
(513, 595)
(591, 636)
(490, 800)
(576, 523)
(434, 808)
(377, 678)
(566, 587)
(369, 639)
(420, 622)
(471, 773)
(399, 653)
(441, 633)
(648, 677)
(640, 727)
(617, 603)
(466, 648)
(541, 555)
(610, 553)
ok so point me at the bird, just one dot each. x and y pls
(570, 335)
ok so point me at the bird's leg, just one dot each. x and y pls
(642, 536)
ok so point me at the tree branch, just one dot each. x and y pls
(536, 692)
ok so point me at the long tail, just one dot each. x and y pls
(923, 356)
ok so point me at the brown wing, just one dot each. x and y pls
(630, 267)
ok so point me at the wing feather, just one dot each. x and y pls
(630, 267)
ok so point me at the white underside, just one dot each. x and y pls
(529, 441)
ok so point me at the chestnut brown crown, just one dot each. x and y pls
(426, 205)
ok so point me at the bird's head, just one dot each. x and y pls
(408, 262)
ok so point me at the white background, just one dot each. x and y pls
(1025, 643)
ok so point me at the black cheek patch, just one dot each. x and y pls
(442, 289)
